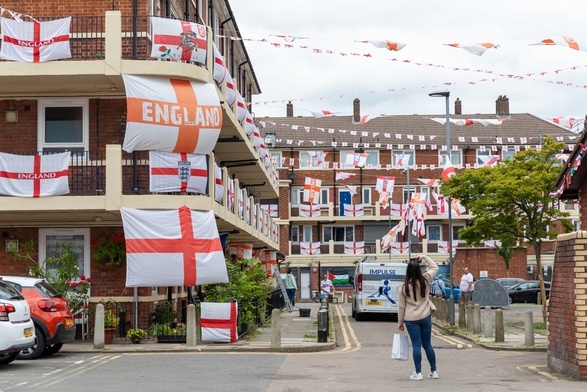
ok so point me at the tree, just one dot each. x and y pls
(511, 200)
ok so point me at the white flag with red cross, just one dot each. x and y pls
(354, 248)
(230, 91)
(312, 190)
(356, 159)
(34, 175)
(173, 115)
(219, 67)
(272, 209)
(309, 248)
(172, 248)
(179, 40)
(218, 185)
(268, 258)
(219, 321)
(310, 210)
(385, 184)
(178, 172)
(35, 42)
(241, 250)
(354, 210)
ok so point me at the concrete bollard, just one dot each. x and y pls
(462, 315)
(191, 338)
(488, 325)
(477, 319)
(470, 318)
(275, 328)
(529, 328)
(99, 327)
(499, 327)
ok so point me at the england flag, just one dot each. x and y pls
(178, 172)
(34, 175)
(178, 40)
(35, 42)
(219, 322)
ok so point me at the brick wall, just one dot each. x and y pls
(63, 8)
(484, 259)
(567, 307)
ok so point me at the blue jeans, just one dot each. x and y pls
(291, 294)
(420, 332)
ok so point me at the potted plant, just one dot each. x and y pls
(110, 324)
(167, 334)
(111, 252)
(136, 335)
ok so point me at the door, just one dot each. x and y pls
(305, 292)
(344, 198)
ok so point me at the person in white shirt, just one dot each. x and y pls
(326, 288)
(466, 287)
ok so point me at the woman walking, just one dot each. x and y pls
(415, 313)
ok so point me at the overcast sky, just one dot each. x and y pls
(323, 81)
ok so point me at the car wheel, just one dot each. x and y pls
(5, 359)
(37, 349)
(50, 350)
(510, 300)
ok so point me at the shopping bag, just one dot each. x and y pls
(401, 347)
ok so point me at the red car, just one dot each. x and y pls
(54, 324)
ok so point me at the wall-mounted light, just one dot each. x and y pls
(11, 115)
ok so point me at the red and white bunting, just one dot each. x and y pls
(354, 248)
(492, 243)
(34, 175)
(179, 40)
(173, 115)
(219, 322)
(35, 42)
(178, 172)
(310, 248)
(172, 248)
(477, 49)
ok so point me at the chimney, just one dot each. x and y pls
(289, 109)
(356, 110)
(458, 108)
(502, 106)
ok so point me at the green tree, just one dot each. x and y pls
(511, 201)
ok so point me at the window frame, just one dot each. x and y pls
(453, 154)
(372, 153)
(438, 227)
(313, 164)
(395, 153)
(332, 228)
(44, 233)
(366, 192)
(45, 103)
(277, 155)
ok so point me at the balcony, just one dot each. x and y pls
(103, 182)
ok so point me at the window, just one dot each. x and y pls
(424, 190)
(51, 241)
(433, 232)
(296, 196)
(481, 154)
(311, 158)
(63, 125)
(367, 196)
(270, 140)
(324, 196)
(307, 233)
(505, 154)
(455, 231)
(295, 234)
(338, 233)
(276, 158)
(400, 158)
(455, 157)
(373, 158)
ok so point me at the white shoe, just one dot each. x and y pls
(416, 376)
(433, 375)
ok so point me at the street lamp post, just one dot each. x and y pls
(446, 94)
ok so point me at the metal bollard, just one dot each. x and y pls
(323, 325)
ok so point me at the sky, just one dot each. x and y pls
(544, 80)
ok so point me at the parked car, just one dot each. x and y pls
(53, 320)
(17, 331)
(456, 291)
(527, 291)
(509, 282)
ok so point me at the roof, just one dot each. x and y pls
(409, 129)
(574, 174)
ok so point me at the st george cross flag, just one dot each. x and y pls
(272, 209)
(172, 248)
(219, 67)
(309, 248)
(492, 243)
(312, 190)
(34, 175)
(230, 90)
(448, 171)
(443, 246)
(178, 172)
(241, 250)
(343, 175)
(218, 186)
(268, 258)
(310, 210)
(179, 40)
(172, 115)
(354, 248)
(400, 247)
(357, 159)
(218, 321)
(385, 184)
(35, 42)
(431, 182)
(354, 210)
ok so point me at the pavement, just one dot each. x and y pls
(299, 334)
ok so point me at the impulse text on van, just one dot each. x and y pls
(382, 272)
(174, 114)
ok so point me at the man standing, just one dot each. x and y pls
(325, 288)
(466, 287)
(290, 287)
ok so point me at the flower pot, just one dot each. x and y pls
(136, 341)
(109, 334)
(171, 339)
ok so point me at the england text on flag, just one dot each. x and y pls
(179, 40)
(178, 172)
(219, 321)
(35, 42)
(34, 175)
(172, 248)
(173, 115)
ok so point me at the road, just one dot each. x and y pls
(361, 362)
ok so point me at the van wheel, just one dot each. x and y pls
(37, 349)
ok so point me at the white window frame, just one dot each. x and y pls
(366, 196)
(332, 227)
(307, 233)
(276, 158)
(481, 153)
(44, 103)
(297, 196)
(291, 234)
(342, 154)
(324, 196)
(369, 161)
(44, 233)
(305, 157)
(507, 154)
(456, 157)
(396, 153)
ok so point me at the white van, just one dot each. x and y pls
(375, 287)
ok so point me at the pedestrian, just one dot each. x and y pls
(290, 287)
(326, 288)
(415, 312)
(467, 287)
(437, 287)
